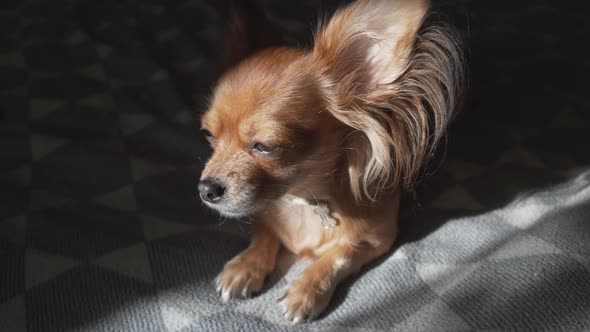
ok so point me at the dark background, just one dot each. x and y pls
(99, 147)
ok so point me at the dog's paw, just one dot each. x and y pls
(304, 301)
(240, 278)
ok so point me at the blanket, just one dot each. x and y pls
(101, 228)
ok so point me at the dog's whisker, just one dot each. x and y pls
(243, 221)
(241, 227)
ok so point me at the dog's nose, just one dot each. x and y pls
(211, 190)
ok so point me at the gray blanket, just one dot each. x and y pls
(100, 228)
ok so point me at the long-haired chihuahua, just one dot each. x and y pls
(315, 146)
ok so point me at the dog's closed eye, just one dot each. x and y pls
(263, 149)
(207, 134)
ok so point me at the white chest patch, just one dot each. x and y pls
(299, 226)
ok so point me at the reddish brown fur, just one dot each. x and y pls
(353, 121)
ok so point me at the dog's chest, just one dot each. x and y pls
(302, 226)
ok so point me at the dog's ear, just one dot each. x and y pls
(371, 39)
(394, 76)
(248, 31)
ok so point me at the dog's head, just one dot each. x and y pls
(368, 103)
(268, 129)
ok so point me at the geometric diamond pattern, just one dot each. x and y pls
(101, 229)
(123, 199)
(156, 228)
(12, 315)
(132, 261)
(442, 277)
(524, 246)
(43, 145)
(436, 316)
(42, 107)
(14, 229)
(42, 267)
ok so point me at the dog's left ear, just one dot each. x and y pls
(394, 77)
(248, 30)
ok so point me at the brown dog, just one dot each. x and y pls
(315, 146)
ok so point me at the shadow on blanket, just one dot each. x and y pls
(100, 229)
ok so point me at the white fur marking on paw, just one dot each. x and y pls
(297, 320)
(341, 264)
(225, 295)
(218, 285)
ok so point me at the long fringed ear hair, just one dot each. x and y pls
(395, 76)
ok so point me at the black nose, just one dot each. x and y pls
(211, 190)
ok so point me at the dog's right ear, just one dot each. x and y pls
(395, 76)
(248, 30)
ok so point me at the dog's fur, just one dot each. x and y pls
(350, 122)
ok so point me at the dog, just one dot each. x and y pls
(316, 145)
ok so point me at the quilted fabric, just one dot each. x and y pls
(101, 230)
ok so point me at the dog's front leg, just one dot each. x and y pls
(310, 294)
(245, 273)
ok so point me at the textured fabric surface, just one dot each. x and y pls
(101, 230)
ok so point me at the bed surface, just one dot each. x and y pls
(101, 229)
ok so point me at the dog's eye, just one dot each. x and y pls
(207, 134)
(263, 149)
